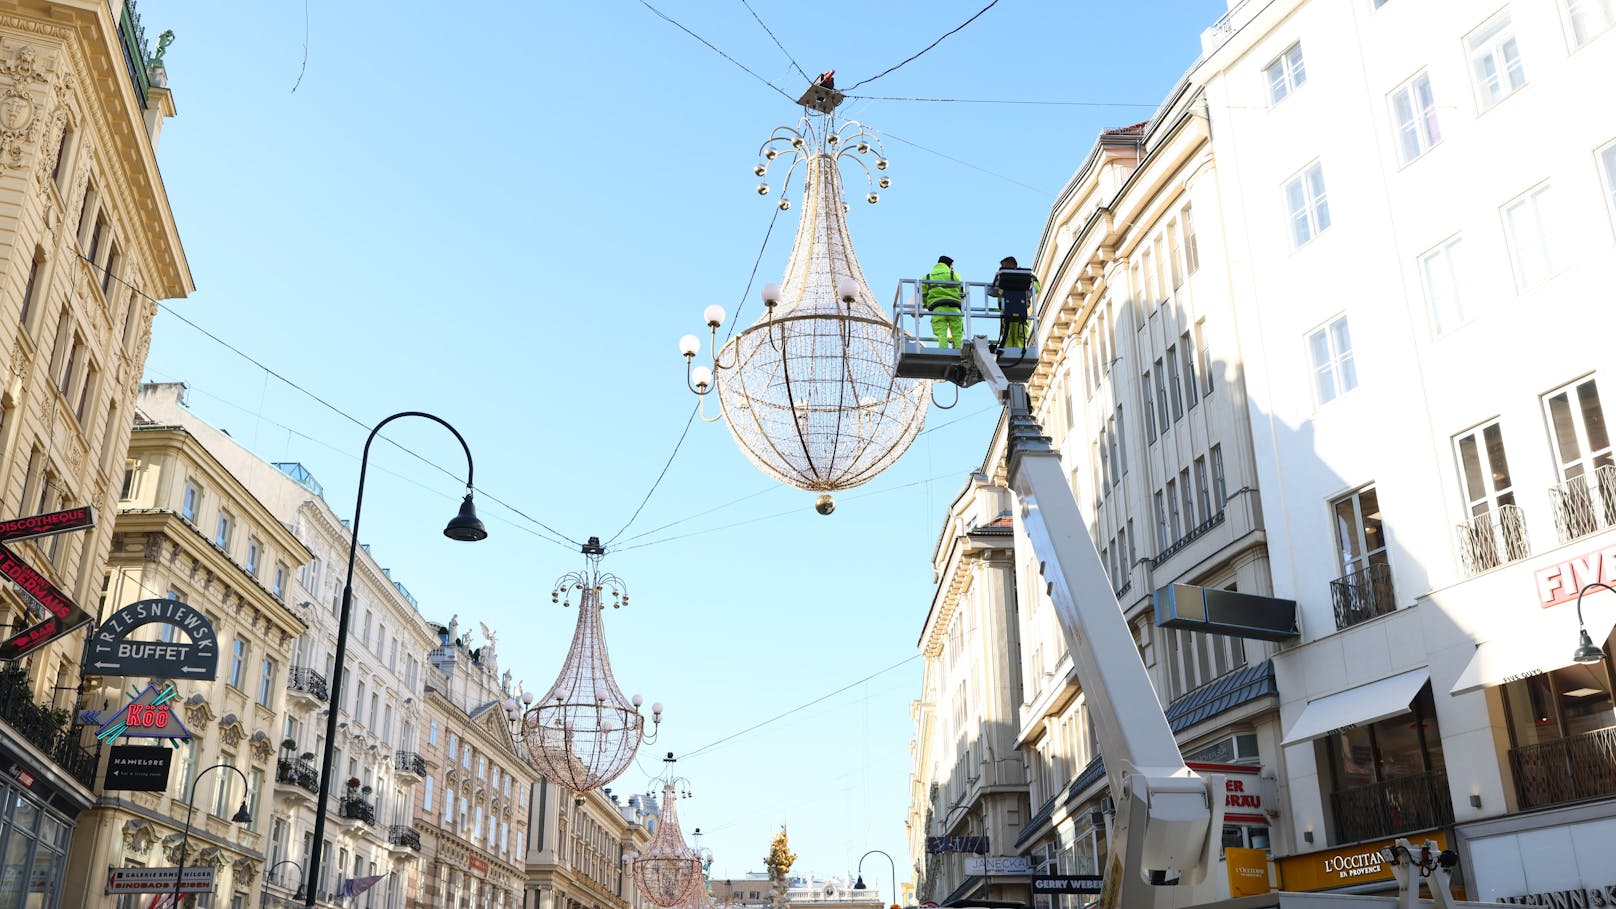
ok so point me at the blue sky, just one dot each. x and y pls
(507, 217)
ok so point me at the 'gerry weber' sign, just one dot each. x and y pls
(112, 653)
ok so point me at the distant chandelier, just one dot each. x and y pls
(808, 391)
(583, 733)
(668, 872)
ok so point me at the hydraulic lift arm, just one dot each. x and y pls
(1169, 818)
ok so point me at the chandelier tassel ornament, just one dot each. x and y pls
(809, 390)
(583, 733)
(668, 872)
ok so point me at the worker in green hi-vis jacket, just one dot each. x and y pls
(942, 292)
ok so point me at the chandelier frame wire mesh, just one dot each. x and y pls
(809, 390)
(668, 872)
(583, 733)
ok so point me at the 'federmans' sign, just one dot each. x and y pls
(61, 613)
(197, 659)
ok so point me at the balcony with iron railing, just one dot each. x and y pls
(409, 763)
(1493, 538)
(1189, 537)
(49, 729)
(299, 773)
(308, 683)
(1571, 769)
(1401, 804)
(1582, 507)
(1361, 594)
(356, 808)
(404, 835)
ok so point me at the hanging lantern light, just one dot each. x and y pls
(796, 386)
(583, 732)
(668, 872)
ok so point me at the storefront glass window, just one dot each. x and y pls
(1563, 724)
(1389, 777)
(1245, 836)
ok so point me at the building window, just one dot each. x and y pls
(1189, 501)
(1175, 254)
(1493, 532)
(1194, 659)
(1526, 229)
(1305, 201)
(1150, 408)
(454, 746)
(1173, 380)
(221, 535)
(1220, 489)
(1186, 352)
(1192, 252)
(1582, 453)
(30, 287)
(1122, 443)
(1240, 748)
(1162, 539)
(278, 587)
(192, 501)
(1205, 355)
(432, 734)
(1330, 353)
(223, 789)
(1495, 61)
(254, 550)
(1285, 75)
(426, 794)
(1161, 396)
(1389, 777)
(1203, 493)
(266, 686)
(1439, 271)
(1414, 112)
(1364, 589)
(1589, 19)
(1172, 510)
(1607, 166)
(1554, 718)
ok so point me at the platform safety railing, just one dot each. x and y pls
(980, 315)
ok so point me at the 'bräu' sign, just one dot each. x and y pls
(197, 659)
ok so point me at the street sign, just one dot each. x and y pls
(159, 880)
(112, 653)
(998, 864)
(149, 714)
(1067, 883)
(138, 768)
(62, 614)
(936, 844)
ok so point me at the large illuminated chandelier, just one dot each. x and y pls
(808, 391)
(583, 733)
(668, 872)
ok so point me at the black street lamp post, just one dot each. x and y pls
(859, 884)
(241, 817)
(271, 873)
(465, 527)
(1587, 650)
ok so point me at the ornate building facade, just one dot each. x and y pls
(84, 220)
(577, 848)
(187, 530)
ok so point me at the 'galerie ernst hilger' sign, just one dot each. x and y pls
(112, 653)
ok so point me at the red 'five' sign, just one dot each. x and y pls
(63, 615)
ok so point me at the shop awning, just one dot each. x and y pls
(1357, 706)
(1542, 645)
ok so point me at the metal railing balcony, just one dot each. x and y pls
(356, 808)
(1495, 538)
(1418, 801)
(1189, 537)
(1362, 594)
(1582, 507)
(301, 774)
(1566, 770)
(404, 835)
(307, 681)
(49, 729)
(409, 762)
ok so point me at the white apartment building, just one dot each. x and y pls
(370, 824)
(1417, 201)
(968, 789)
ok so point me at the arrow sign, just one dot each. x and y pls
(62, 614)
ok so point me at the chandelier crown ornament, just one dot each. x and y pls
(668, 872)
(809, 390)
(583, 732)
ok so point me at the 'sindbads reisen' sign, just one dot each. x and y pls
(159, 880)
(61, 613)
(195, 659)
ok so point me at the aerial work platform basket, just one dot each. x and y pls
(918, 354)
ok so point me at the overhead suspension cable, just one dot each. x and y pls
(923, 50)
(327, 404)
(776, 41)
(1015, 101)
(960, 161)
(733, 321)
(679, 25)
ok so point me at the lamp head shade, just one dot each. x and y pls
(859, 884)
(1586, 651)
(466, 526)
(242, 817)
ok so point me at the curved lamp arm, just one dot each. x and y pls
(1587, 651)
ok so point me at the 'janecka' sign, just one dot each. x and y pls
(196, 659)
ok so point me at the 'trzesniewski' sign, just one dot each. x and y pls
(112, 653)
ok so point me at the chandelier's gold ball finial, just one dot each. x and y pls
(825, 504)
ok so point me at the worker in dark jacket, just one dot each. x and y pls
(942, 292)
(1015, 287)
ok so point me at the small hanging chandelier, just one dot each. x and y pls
(668, 872)
(583, 733)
